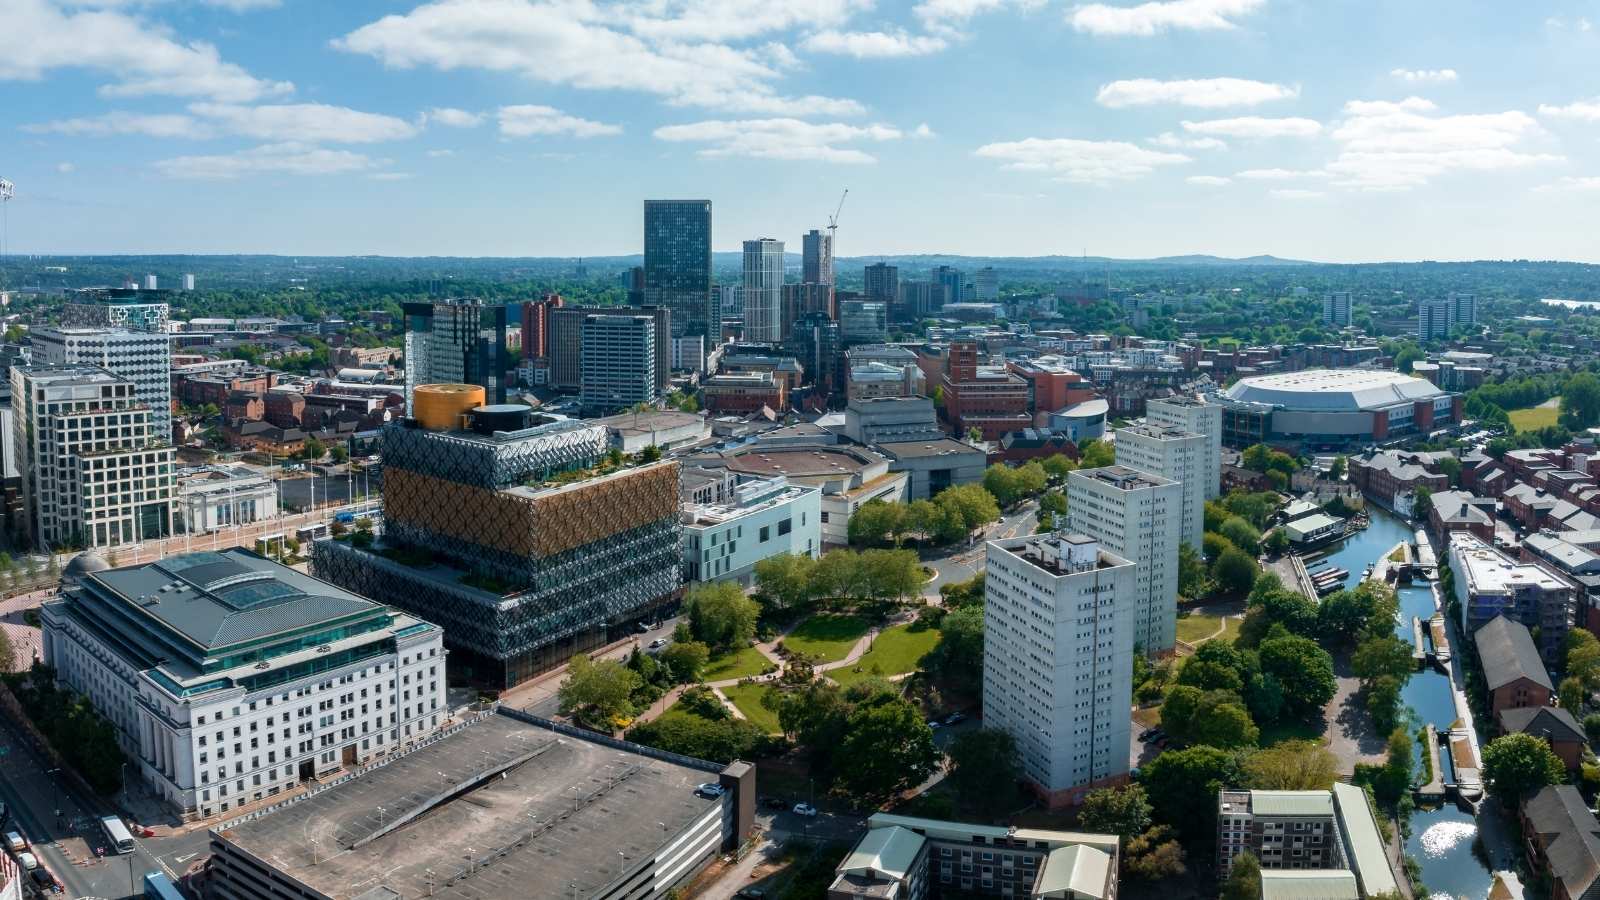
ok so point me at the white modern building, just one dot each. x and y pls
(230, 678)
(188, 281)
(1138, 516)
(1175, 454)
(218, 497)
(142, 357)
(94, 470)
(763, 290)
(617, 363)
(1058, 647)
(1336, 309)
(763, 517)
(1202, 417)
(986, 285)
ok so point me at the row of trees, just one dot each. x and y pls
(949, 517)
(794, 582)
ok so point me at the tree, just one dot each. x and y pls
(963, 593)
(1057, 466)
(720, 740)
(973, 506)
(1210, 676)
(1451, 469)
(1580, 401)
(840, 573)
(1581, 658)
(975, 435)
(1517, 765)
(1422, 502)
(686, 660)
(1234, 571)
(598, 694)
(1095, 454)
(720, 615)
(1407, 355)
(1193, 582)
(1242, 534)
(959, 654)
(1380, 656)
(1244, 878)
(1213, 718)
(1277, 542)
(338, 453)
(8, 652)
(1182, 786)
(1305, 671)
(1292, 766)
(786, 579)
(985, 768)
(876, 521)
(887, 748)
(1123, 811)
(1383, 701)
(1337, 470)
(1154, 855)
(312, 449)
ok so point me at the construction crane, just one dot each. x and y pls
(7, 191)
(833, 220)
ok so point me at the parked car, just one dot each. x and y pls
(1147, 735)
(752, 893)
(955, 718)
(935, 723)
(710, 790)
(28, 861)
(805, 809)
(14, 842)
(658, 643)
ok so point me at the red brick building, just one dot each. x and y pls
(991, 399)
(744, 394)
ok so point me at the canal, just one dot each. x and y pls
(1441, 839)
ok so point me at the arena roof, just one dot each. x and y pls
(1333, 390)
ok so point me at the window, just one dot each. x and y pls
(766, 533)
(785, 526)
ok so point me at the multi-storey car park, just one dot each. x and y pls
(499, 526)
(231, 678)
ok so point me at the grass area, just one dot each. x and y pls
(744, 663)
(748, 698)
(1533, 418)
(894, 651)
(1278, 732)
(1197, 626)
(827, 638)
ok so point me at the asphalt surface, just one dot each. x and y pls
(296, 493)
(966, 561)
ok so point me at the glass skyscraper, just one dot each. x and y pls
(459, 341)
(763, 290)
(677, 266)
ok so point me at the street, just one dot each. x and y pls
(962, 563)
(66, 843)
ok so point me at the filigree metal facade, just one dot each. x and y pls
(522, 577)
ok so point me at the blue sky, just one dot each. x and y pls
(1339, 130)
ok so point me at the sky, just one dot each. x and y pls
(1331, 130)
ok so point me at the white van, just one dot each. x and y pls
(15, 843)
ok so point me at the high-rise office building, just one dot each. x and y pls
(804, 298)
(954, 283)
(1058, 646)
(815, 341)
(1136, 515)
(618, 363)
(985, 285)
(763, 290)
(1336, 309)
(1199, 416)
(881, 282)
(128, 308)
(1463, 308)
(816, 261)
(150, 282)
(918, 299)
(188, 282)
(1435, 319)
(863, 321)
(457, 341)
(677, 265)
(1175, 454)
(204, 663)
(536, 325)
(142, 357)
(94, 469)
(731, 301)
(566, 343)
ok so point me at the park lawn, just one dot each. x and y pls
(894, 651)
(743, 664)
(748, 698)
(1533, 418)
(1278, 732)
(1196, 626)
(826, 637)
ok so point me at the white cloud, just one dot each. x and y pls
(947, 16)
(144, 59)
(1179, 142)
(1425, 76)
(120, 123)
(392, 176)
(455, 118)
(1580, 24)
(873, 44)
(439, 154)
(1571, 183)
(1581, 110)
(1295, 194)
(1146, 19)
(1250, 127)
(734, 20)
(241, 6)
(65, 168)
(1208, 180)
(291, 158)
(530, 120)
(923, 132)
(1279, 174)
(787, 139)
(583, 44)
(1399, 145)
(305, 122)
(1205, 93)
(1079, 161)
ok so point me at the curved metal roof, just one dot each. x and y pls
(1333, 390)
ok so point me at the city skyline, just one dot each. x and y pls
(519, 128)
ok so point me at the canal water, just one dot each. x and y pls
(1441, 839)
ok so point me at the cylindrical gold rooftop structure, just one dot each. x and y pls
(439, 407)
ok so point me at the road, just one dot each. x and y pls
(539, 696)
(963, 563)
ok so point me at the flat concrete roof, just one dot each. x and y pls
(557, 818)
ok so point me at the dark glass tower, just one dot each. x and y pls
(677, 265)
(459, 341)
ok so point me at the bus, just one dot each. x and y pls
(157, 886)
(117, 834)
